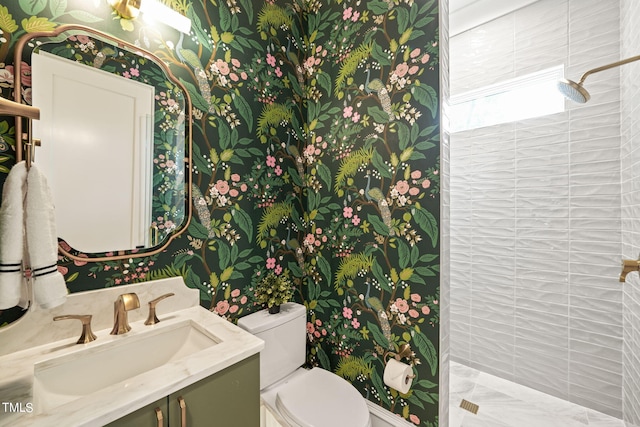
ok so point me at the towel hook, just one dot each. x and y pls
(29, 143)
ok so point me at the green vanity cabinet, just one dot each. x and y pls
(229, 398)
(145, 417)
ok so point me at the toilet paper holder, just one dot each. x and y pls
(403, 351)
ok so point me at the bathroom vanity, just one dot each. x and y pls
(219, 400)
(191, 368)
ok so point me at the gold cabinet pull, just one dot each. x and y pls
(183, 411)
(159, 417)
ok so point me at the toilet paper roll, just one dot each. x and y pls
(398, 375)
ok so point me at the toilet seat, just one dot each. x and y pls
(320, 398)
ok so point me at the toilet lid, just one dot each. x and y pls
(322, 399)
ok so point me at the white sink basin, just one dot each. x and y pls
(66, 378)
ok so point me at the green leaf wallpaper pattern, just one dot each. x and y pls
(316, 156)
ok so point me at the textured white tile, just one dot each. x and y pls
(562, 172)
(545, 223)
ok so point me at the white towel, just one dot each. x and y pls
(12, 283)
(49, 288)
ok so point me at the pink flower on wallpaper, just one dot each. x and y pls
(235, 293)
(356, 16)
(347, 312)
(416, 297)
(402, 186)
(414, 419)
(278, 72)
(223, 67)
(243, 299)
(80, 263)
(415, 53)
(356, 117)
(414, 191)
(416, 174)
(309, 150)
(426, 183)
(401, 69)
(134, 72)
(63, 270)
(271, 60)
(278, 170)
(414, 313)
(426, 310)
(347, 13)
(278, 269)
(355, 323)
(222, 307)
(222, 186)
(234, 308)
(83, 39)
(355, 220)
(425, 58)
(25, 74)
(271, 263)
(402, 305)
(235, 177)
(310, 62)
(271, 161)
(310, 328)
(347, 112)
(347, 211)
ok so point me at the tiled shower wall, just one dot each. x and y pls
(630, 177)
(535, 210)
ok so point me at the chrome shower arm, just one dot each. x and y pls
(608, 66)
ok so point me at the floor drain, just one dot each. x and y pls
(471, 407)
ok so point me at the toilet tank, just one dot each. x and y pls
(284, 336)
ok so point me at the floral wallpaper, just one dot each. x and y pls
(316, 157)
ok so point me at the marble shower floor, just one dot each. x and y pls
(505, 404)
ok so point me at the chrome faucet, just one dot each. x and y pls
(628, 266)
(124, 303)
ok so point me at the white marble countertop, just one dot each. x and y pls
(115, 401)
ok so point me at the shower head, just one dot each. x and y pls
(576, 92)
(573, 91)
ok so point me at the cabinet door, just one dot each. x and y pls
(147, 416)
(230, 398)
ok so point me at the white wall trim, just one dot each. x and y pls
(384, 418)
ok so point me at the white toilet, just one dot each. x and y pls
(303, 398)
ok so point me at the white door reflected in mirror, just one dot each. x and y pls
(103, 202)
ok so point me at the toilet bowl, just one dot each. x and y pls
(300, 397)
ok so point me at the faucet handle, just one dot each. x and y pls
(87, 335)
(152, 319)
(629, 265)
